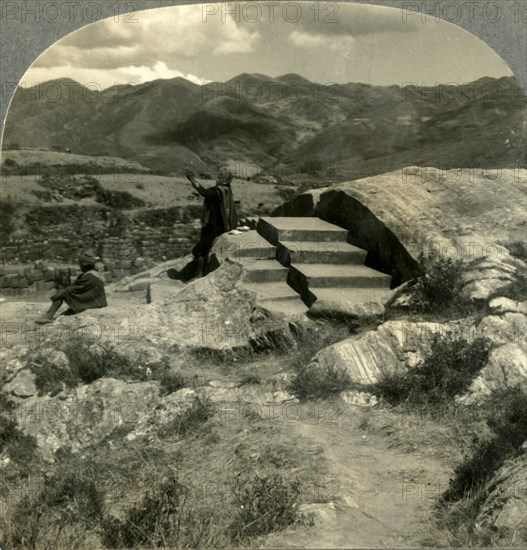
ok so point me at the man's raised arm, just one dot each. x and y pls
(197, 186)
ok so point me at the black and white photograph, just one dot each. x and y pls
(263, 275)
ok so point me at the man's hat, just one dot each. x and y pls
(88, 258)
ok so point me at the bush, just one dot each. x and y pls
(69, 503)
(518, 249)
(439, 289)
(89, 360)
(265, 504)
(314, 380)
(448, 371)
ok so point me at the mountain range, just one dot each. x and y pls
(284, 124)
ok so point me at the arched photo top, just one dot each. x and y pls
(343, 90)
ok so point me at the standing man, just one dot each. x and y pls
(218, 216)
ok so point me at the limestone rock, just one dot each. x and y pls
(323, 513)
(359, 398)
(163, 411)
(483, 289)
(463, 221)
(505, 305)
(356, 310)
(22, 385)
(214, 312)
(389, 348)
(506, 368)
(86, 415)
(140, 281)
(504, 329)
(504, 507)
(489, 275)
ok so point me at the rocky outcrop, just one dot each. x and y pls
(393, 346)
(486, 277)
(398, 345)
(214, 312)
(395, 216)
(504, 507)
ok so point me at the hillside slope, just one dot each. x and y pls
(352, 130)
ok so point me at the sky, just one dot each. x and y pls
(323, 42)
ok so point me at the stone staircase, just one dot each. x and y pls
(293, 262)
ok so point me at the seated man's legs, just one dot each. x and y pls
(57, 301)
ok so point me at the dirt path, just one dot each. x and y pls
(383, 497)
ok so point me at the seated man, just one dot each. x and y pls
(86, 292)
(219, 215)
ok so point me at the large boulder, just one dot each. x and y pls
(214, 312)
(455, 213)
(394, 346)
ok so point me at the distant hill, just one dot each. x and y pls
(343, 130)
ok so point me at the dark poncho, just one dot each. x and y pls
(86, 292)
(219, 209)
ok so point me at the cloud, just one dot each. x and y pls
(104, 78)
(160, 35)
(324, 18)
(306, 40)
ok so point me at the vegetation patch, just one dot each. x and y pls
(447, 371)
(319, 381)
(88, 360)
(265, 504)
(439, 289)
(191, 420)
(461, 503)
(313, 380)
(20, 448)
(518, 249)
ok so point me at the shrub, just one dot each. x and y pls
(89, 360)
(69, 502)
(319, 381)
(49, 378)
(518, 249)
(439, 289)
(265, 504)
(448, 370)
(118, 199)
(19, 447)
